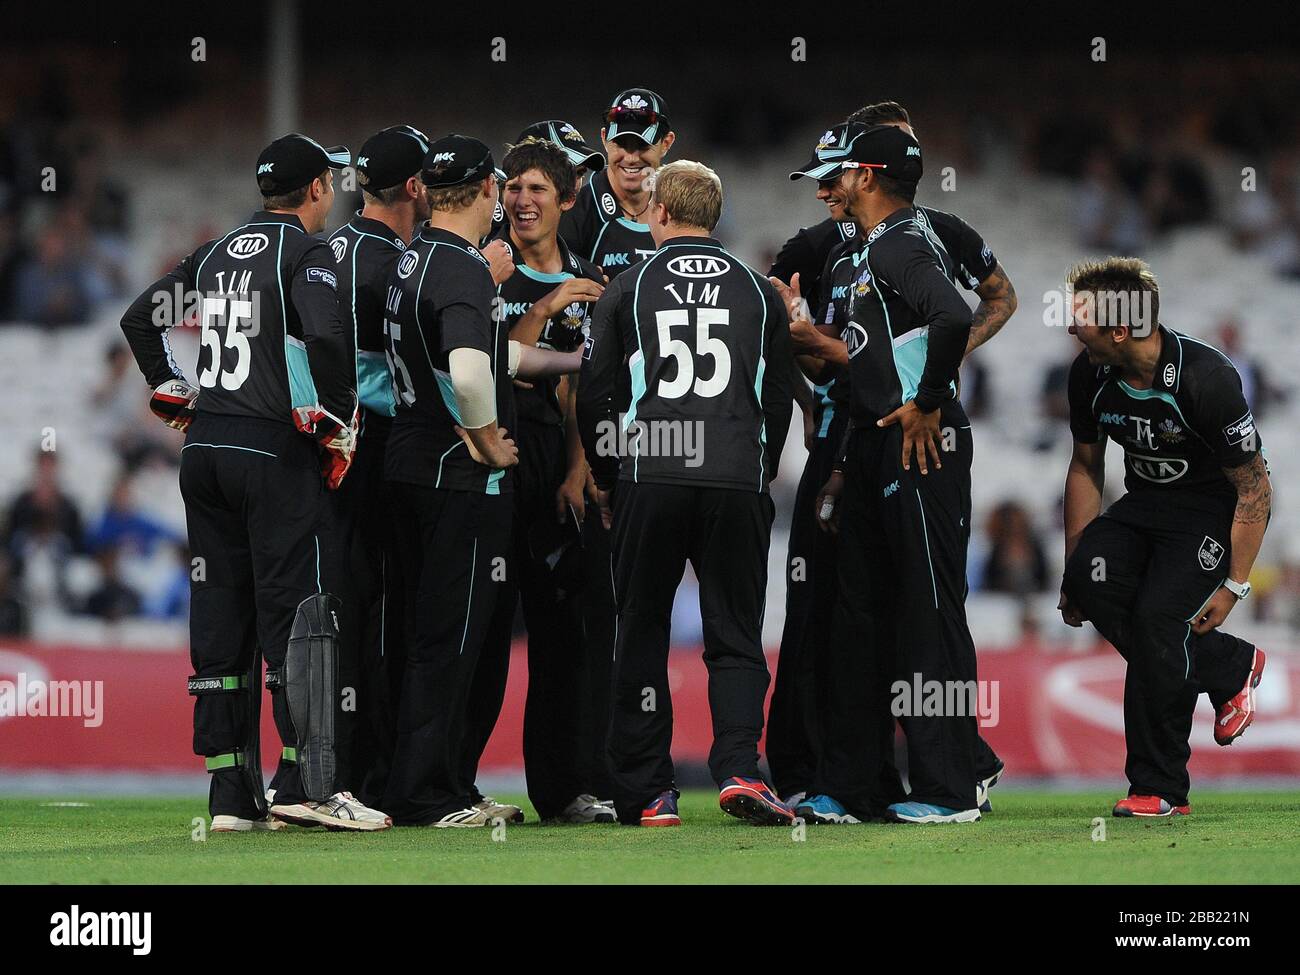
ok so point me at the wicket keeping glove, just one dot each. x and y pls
(173, 403)
(337, 438)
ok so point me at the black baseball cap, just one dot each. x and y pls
(391, 157)
(294, 160)
(455, 160)
(855, 145)
(639, 112)
(567, 137)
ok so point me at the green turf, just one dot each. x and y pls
(1031, 837)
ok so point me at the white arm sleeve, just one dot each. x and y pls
(471, 378)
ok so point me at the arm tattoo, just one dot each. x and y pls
(997, 304)
(1254, 492)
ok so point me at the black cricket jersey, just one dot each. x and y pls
(563, 332)
(366, 251)
(1181, 433)
(267, 304)
(441, 297)
(972, 261)
(595, 228)
(706, 344)
(908, 323)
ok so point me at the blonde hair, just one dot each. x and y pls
(692, 193)
(448, 199)
(1123, 291)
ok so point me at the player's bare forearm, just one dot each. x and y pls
(1250, 519)
(1085, 479)
(997, 304)
(535, 363)
(528, 329)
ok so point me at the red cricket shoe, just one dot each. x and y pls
(752, 801)
(1148, 806)
(1235, 716)
(662, 811)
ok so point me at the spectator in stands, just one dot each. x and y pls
(45, 503)
(1016, 564)
(14, 619)
(123, 526)
(53, 287)
(122, 415)
(1054, 403)
(172, 599)
(112, 599)
(1111, 218)
(1260, 394)
(1267, 221)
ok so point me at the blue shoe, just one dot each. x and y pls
(982, 789)
(662, 811)
(924, 812)
(824, 810)
(752, 801)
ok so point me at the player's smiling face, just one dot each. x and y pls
(533, 206)
(631, 160)
(831, 192)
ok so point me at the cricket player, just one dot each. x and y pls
(366, 250)
(792, 726)
(706, 345)
(607, 225)
(270, 426)
(586, 160)
(1160, 570)
(546, 303)
(905, 510)
(448, 456)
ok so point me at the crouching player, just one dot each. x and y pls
(1162, 568)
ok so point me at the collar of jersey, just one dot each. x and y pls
(267, 216)
(375, 228)
(690, 242)
(902, 215)
(437, 235)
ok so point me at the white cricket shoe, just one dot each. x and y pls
(463, 819)
(588, 809)
(340, 811)
(237, 824)
(499, 810)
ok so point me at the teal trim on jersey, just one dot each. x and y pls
(469, 603)
(458, 443)
(1141, 394)
(925, 533)
(375, 383)
(209, 254)
(595, 246)
(636, 362)
(636, 368)
(302, 388)
(543, 276)
(448, 391)
(641, 228)
(228, 446)
(909, 361)
(494, 481)
(828, 414)
(758, 372)
(316, 538)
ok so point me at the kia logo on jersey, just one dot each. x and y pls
(407, 264)
(1158, 470)
(699, 266)
(247, 245)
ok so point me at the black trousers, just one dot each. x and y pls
(453, 551)
(556, 748)
(724, 534)
(794, 715)
(900, 615)
(1138, 575)
(254, 512)
(599, 612)
(362, 571)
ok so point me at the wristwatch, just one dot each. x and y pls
(1239, 589)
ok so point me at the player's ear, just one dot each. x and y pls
(414, 188)
(568, 204)
(603, 130)
(667, 141)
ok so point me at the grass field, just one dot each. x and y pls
(1031, 837)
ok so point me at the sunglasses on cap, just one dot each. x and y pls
(636, 117)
